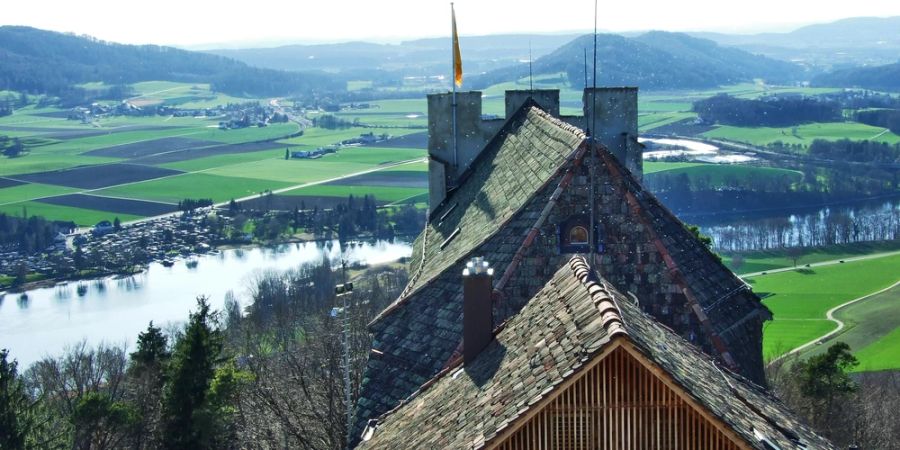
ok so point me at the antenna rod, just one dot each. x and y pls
(530, 73)
(592, 233)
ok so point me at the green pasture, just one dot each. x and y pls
(31, 191)
(883, 354)
(296, 171)
(82, 217)
(760, 261)
(194, 185)
(650, 121)
(211, 162)
(656, 166)
(718, 174)
(383, 193)
(41, 162)
(799, 299)
(871, 330)
(803, 134)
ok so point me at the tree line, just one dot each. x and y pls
(767, 111)
(886, 118)
(30, 234)
(856, 151)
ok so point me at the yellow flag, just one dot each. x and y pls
(457, 59)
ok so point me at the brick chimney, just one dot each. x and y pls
(478, 314)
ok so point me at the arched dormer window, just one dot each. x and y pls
(574, 236)
(578, 235)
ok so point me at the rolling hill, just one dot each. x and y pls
(853, 41)
(415, 57)
(885, 78)
(655, 60)
(40, 61)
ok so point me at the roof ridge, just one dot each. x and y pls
(555, 120)
(610, 315)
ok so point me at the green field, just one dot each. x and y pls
(760, 261)
(799, 299)
(31, 191)
(656, 166)
(803, 134)
(383, 193)
(872, 330)
(82, 217)
(718, 174)
(55, 143)
(194, 185)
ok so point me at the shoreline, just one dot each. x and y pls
(54, 281)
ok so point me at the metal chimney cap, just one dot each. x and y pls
(478, 266)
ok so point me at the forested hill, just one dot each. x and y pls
(885, 78)
(39, 61)
(655, 60)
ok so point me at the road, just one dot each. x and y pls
(840, 324)
(823, 263)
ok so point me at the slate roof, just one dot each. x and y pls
(570, 321)
(518, 162)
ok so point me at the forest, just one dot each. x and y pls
(766, 112)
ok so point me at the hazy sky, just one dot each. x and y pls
(199, 22)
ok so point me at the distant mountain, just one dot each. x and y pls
(655, 60)
(41, 61)
(885, 78)
(859, 40)
(417, 57)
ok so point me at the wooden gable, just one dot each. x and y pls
(619, 401)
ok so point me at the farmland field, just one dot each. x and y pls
(111, 204)
(760, 261)
(135, 166)
(871, 330)
(98, 176)
(803, 134)
(799, 299)
(718, 174)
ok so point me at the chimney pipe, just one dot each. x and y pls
(478, 314)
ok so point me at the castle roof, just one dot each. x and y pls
(520, 160)
(576, 318)
(498, 205)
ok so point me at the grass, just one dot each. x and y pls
(803, 134)
(651, 121)
(871, 330)
(718, 174)
(383, 193)
(656, 167)
(194, 185)
(883, 354)
(800, 299)
(31, 191)
(760, 261)
(42, 162)
(82, 217)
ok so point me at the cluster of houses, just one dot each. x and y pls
(363, 139)
(109, 249)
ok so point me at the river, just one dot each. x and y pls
(115, 309)
(859, 221)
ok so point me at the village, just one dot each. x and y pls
(111, 248)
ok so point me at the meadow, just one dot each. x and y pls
(871, 331)
(800, 298)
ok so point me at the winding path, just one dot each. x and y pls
(840, 324)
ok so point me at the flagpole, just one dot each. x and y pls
(453, 45)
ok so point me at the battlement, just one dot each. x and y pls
(609, 114)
